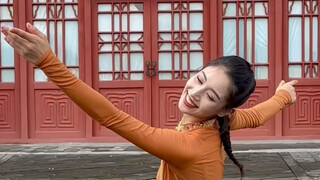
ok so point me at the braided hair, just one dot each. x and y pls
(242, 85)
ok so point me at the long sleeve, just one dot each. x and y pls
(173, 147)
(259, 114)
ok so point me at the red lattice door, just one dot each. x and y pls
(179, 47)
(303, 63)
(121, 58)
(52, 114)
(10, 123)
(247, 31)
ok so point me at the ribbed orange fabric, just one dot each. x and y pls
(195, 154)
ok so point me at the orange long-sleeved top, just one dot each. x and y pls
(195, 154)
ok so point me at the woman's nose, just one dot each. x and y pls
(195, 93)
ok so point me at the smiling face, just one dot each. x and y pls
(205, 94)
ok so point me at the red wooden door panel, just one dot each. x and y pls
(52, 114)
(180, 33)
(246, 30)
(303, 63)
(121, 49)
(9, 82)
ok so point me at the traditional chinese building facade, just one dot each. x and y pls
(140, 53)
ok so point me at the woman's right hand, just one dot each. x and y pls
(288, 86)
(31, 45)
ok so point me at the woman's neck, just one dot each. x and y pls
(188, 119)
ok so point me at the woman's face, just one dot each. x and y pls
(204, 95)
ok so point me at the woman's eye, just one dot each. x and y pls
(211, 98)
(199, 80)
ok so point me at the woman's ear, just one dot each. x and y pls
(225, 112)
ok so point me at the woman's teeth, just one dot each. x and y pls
(190, 103)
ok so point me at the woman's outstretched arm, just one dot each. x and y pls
(260, 113)
(174, 147)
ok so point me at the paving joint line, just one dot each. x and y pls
(294, 166)
(5, 158)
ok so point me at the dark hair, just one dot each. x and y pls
(242, 85)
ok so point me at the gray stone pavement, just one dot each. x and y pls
(271, 160)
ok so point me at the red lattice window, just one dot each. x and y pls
(245, 32)
(58, 19)
(6, 52)
(303, 39)
(120, 41)
(180, 39)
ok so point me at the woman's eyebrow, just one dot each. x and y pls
(205, 79)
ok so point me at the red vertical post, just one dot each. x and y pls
(213, 22)
(22, 18)
(85, 21)
(278, 56)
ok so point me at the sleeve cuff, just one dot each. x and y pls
(43, 58)
(285, 96)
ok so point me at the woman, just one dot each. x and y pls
(194, 150)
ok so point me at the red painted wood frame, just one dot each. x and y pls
(10, 124)
(166, 93)
(303, 118)
(285, 126)
(51, 114)
(245, 11)
(132, 96)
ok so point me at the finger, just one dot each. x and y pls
(293, 82)
(14, 44)
(17, 42)
(281, 83)
(5, 29)
(23, 34)
(32, 29)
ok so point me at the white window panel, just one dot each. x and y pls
(196, 60)
(70, 11)
(306, 39)
(40, 11)
(7, 75)
(259, 9)
(230, 10)
(164, 6)
(165, 76)
(184, 61)
(315, 39)
(241, 38)
(261, 41)
(104, 22)
(5, 13)
(196, 6)
(229, 36)
(261, 72)
(296, 7)
(136, 76)
(105, 77)
(7, 53)
(164, 61)
(104, 7)
(71, 43)
(124, 61)
(295, 40)
(39, 76)
(105, 62)
(136, 22)
(164, 21)
(176, 61)
(295, 71)
(136, 61)
(196, 21)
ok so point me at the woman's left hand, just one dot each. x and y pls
(289, 87)
(31, 45)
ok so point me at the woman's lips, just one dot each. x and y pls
(188, 102)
